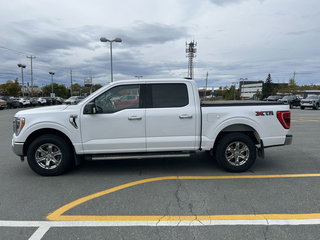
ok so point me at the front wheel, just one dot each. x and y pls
(236, 152)
(50, 155)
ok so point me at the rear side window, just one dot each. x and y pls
(169, 95)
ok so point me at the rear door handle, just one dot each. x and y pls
(134, 118)
(184, 116)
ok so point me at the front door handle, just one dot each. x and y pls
(184, 116)
(134, 118)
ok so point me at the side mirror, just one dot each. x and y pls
(90, 108)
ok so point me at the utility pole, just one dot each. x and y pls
(22, 66)
(206, 84)
(31, 57)
(71, 81)
(234, 90)
(52, 94)
(207, 81)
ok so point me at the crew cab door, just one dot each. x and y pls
(116, 126)
(170, 117)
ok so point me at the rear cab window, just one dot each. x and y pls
(167, 95)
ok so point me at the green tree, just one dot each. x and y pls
(292, 82)
(12, 88)
(95, 87)
(228, 93)
(77, 89)
(267, 88)
(59, 89)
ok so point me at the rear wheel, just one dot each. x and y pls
(236, 152)
(50, 155)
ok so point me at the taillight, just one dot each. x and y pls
(284, 118)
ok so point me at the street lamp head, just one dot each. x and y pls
(117, 40)
(21, 65)
(51, 73)
(103, 39)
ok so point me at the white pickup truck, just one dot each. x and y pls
(165, 118)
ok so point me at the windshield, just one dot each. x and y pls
(312, 97)
(286, 97)
(273, 97)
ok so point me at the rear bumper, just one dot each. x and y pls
(288, 140)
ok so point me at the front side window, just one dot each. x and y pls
(169, 95)
(118, 98)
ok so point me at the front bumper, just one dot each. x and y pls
(307, 105)
(17, 148)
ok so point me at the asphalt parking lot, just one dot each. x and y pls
(189, 198)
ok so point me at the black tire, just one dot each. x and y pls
(291, 105)
(302, 108)
(54, 153)
(316, 107)
(242, 143)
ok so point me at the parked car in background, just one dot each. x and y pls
(312, 101)
(11, 102)
(34, 102)
(3, 104)
(49, 100)
(74, 100)
(127, 101)
(59, 100)
(292, 101)
(24, 102)
(274, 98)
(42, 101)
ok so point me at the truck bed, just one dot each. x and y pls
(237, 103)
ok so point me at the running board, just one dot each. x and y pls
(136, 156)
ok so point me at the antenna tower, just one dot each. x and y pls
(191, 53)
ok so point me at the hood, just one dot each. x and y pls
(50, 109)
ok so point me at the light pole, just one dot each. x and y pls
(22, 66)
(103, 39)
(51, 73)
(138, 76)
(234, 90)
(242, 79)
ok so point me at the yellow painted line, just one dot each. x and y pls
(58, 215)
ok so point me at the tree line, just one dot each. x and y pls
(268, 88)
(12, 88)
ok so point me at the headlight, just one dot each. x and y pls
(18, 124)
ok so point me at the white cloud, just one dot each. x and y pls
(236, 38)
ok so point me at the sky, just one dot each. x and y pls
(235, 39)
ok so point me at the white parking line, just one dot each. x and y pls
(44, 226)
(41, 231)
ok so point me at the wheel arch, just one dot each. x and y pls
(239, 128)
(44, 131)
